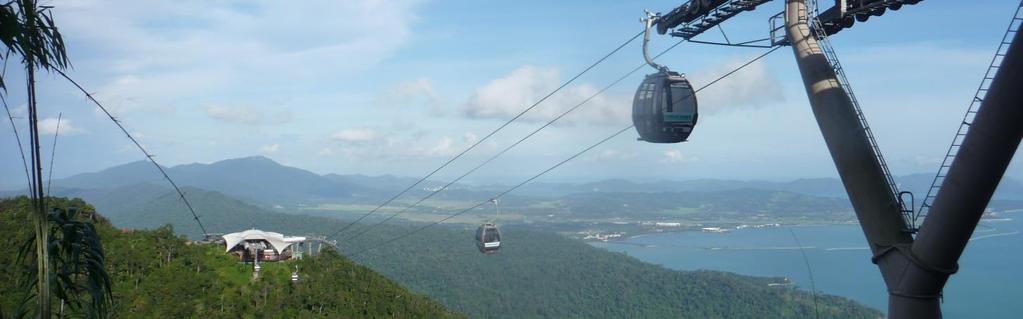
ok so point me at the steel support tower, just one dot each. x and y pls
(914, 271)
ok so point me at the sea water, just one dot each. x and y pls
(989, 283)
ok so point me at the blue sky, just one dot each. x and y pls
(397, 87)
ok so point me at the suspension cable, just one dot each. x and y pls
(53, 153)
(149, 156)
(513, 145)
(809, 272)
(513, 188)
(480, 141)
(499, 194)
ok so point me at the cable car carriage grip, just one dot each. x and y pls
(664, 109)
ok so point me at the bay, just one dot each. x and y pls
(989, 283)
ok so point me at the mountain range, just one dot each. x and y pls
(261, 180)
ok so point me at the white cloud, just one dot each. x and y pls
(753, 86)
(270, 149)
(421, 86)
(234, 114)
(20, 111)
(48, 126)
(415, 95)
(164, 50)
(355, 135)
(246, 115)
(676, 156)
(506, 97)
(370, 145)
(611, 155)
(445, 147)
(418, 92)
(470, 137)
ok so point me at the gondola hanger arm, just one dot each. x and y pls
(650, 19)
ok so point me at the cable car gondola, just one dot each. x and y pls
(488, 237)
(664, 109)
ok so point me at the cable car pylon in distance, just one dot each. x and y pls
(488, 237)
(664, 109)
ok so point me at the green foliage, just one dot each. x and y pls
(76, 259)
(540, 274)
(159, 274)
(536, 274)
(79, 263)
(28, 31)
(14, 221)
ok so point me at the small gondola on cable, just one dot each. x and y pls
(664, 109)
(488, 237)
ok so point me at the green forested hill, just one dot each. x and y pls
(545, 275)
(158, 274)
(536, 275)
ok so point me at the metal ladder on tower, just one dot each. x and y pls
(829, 53)
(971, 112)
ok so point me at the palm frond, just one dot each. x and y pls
(30, 32)
(78, 262)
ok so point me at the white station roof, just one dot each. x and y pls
(277, 241)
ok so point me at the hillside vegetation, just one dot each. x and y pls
(536, 274)
(159, 274)
(545, 275)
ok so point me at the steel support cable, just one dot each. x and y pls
(149, 156)
(809, 271)
(513, 188)
(480, 141)
(619, 132)
(513, 145)
(491, 159)
(53, 153)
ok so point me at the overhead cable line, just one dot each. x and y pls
(499, 195)
(809, 272)
(513, 145)
(139, 146)
(480, 141)
(53, 153)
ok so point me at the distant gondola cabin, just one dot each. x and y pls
(488, 238)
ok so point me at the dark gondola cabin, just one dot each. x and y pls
(664, 109)
(488, 238)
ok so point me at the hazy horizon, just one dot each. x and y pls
(479, 181)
